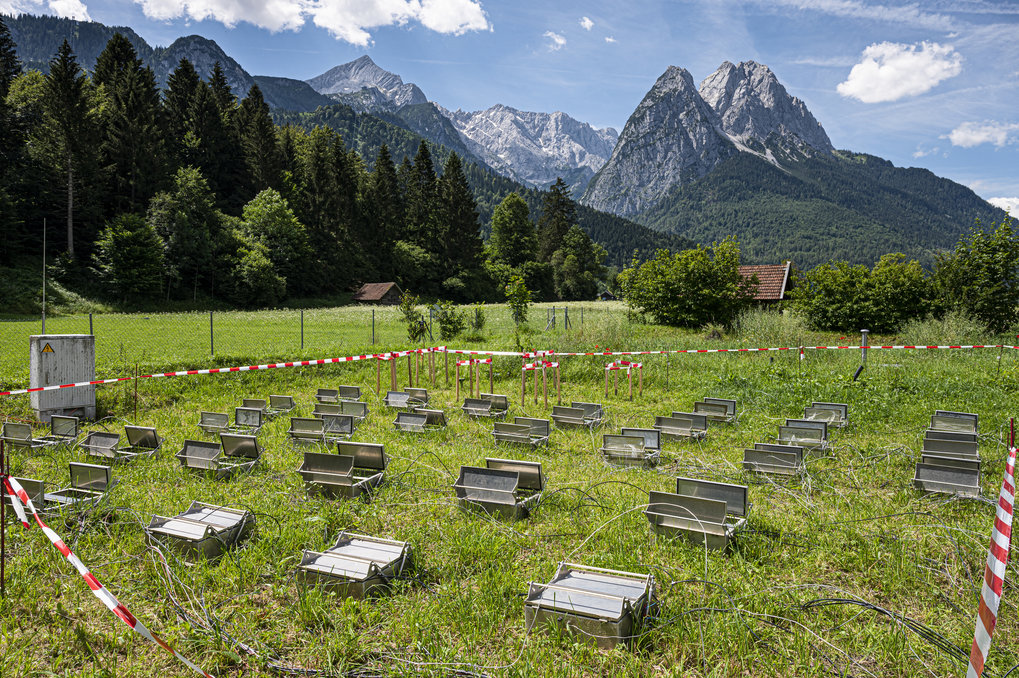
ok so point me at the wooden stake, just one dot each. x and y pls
(544, 384)
(606, 382)
(558, 392)
(410, 373)
(640, 380)
(446, 357)
(392, 375)
(523, 385)
(457, 381)
(491, 379)
(378, 378)
(470, 373)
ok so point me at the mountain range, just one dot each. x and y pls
(736, 155)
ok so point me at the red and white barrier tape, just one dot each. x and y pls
(994, 573)
(474, 361)
(540, 365)
(624, 365)
(20, 499)
(442, 349)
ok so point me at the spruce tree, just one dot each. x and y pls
(131, 148)
(71, 128)
(258, 142)
(513, 239)
(422, 200)
(384, 207)
(558, 214)
(460, 236)
(178, 101)
(12, 141)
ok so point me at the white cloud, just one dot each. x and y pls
(68, 9)
(348, 20)
(555, 41)
(586, 23)
(1010, 205)
(889, 71)
(970, 134)
(609, 39)
(923, 153)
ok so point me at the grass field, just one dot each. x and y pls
(846, 572)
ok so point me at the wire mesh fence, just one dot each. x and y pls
(196, 338)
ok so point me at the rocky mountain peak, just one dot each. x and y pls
(362, 73)
(672, 137)
(203, 55)
(757, 111)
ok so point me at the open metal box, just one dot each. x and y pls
(578, 415)
(89, 482)
(214, 423)
(702, 511)
(652, 437)
(945, 475)
(356, 566)
(63, 431)
(36, 491)
(334, 395)
(142, 441)
(248, 420)
(960, 422)
(256, 404)
(281, 404)
(719, 410)
(357, 470)
(19, 436)
(809, 434)
(354, 409)
(785, 460)
(489, 405)
(628, 451)
(102, 444)
(836, 415)
(204, 457)
(413, 421)
(682, 426)
(523, 431)
(337, 427)
(608, 606)
(203, 529)
(240, 445)
(503, 487)
(322, 409)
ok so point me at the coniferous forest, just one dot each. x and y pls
(192, 193)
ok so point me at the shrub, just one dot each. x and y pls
(690, 288)
(412, 316)
(451, 322)
(129, 258)
(519, 298)
(981, 276)
(839, 296)
(478, 318)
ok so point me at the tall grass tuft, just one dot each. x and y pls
(955, 327)
(765, 326)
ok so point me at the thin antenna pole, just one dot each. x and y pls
(3, 520)
(44, 275)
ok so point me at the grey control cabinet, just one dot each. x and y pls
(57, 359)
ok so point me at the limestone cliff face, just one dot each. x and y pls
(365, 87)
(756, 110)
(672, 137)
(535, 148)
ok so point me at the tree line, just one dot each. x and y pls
(192, 194)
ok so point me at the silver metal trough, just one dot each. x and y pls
(214, 423)
(63, 431)
(785, 460)
(836, 415)
(281, 404)
(702, 511)
(248, 420)
(628, 451)
(356, 566)
(682, 426)
(201, 456)
(355, 471)
(142, 441)
(89, 482)
(203, 529)
(19, 436)
(812, 435)
(960, 422)
(606, 606)
(652, 437)
(945, 475)
(718, 410)
(503, 487)
(489, 405)
(523, 431)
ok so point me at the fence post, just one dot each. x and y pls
(864, 342)
(212, 337)
(91, 333)
(3, 522)
(373, 327)
(302, 329)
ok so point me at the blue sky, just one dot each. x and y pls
(932, 84)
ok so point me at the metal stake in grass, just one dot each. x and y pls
(3, 519)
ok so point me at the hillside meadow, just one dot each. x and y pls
(847, 571)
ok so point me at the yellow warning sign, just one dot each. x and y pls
(47, 348)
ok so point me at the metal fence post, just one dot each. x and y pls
(373, 326)
(212, 337)
(864, 342)
(91, 333)
(302, 329)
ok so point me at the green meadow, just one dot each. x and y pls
(847, 571)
